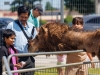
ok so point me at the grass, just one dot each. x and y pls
(94, 71)
(53, 71)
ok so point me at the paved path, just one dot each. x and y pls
(42, 60)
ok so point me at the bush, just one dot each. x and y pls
(68, 19)
(42, 22)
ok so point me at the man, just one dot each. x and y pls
(35, 12)
(21, 42)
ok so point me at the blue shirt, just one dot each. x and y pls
(21, 41)
(33, 20)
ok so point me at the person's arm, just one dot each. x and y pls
(38, 25)
(91, 58)
(37, 29)
(1, 55)
(15, 65)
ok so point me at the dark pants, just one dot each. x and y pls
(30, 64)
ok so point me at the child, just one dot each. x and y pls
(61, 60)
(77, 57)
(7, 49)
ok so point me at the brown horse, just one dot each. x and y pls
(60, 37)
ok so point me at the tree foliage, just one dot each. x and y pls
(42, 22)
(16, 3)
(68, 19)
(82, 6)
(49, 6)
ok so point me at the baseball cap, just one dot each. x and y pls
(40, 9)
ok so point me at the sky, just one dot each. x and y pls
(55, 3)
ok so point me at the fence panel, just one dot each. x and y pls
(47, 65)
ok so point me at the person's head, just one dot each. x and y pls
(23, 14)
(9, 36)
(37, 11)
(77, 22)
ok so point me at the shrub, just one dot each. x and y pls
(68, 19)
(42, 22)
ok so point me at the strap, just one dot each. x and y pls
(17, 21)
(32, 30)
(32, 33)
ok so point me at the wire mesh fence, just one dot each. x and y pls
(44, 61)
(52, 8)
(48, 65)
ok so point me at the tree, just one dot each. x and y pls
(82, 6)
(49, 6)
(16, 3)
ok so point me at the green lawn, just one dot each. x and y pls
(94, 71)
(53, 71)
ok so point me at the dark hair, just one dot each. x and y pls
(23, 9)
(77, 20)
(7, 33)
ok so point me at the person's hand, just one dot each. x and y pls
(22, 63)
(92, 65)
(17, 65)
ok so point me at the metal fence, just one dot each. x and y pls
(50, 69)
(53, 10)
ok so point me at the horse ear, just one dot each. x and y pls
(44, 29)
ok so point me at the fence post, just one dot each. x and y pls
(6, 64)
(62, 11)
(96, 6)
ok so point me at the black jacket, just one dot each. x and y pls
(4, 52)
